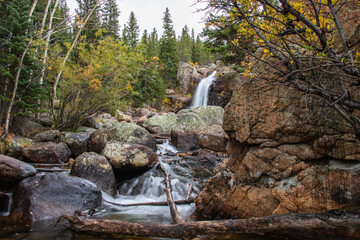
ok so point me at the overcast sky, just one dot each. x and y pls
(149, 13)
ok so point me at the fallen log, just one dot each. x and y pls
(327, 225)
(186, 201)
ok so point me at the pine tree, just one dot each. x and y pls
(185, 45)
(152, 47)
(168, 52)
(94, 23)
(131, 30)
(145, 38)
(110, 15)
(15, 32)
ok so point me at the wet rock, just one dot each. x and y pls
(213, 138)
(124, 132)
(184, 133)
(26, 128)
(129, 158)
(4, 203)
(77, 142)
(52, 195)
(161, 124)
(47, 152)
(95, 168)
(47, 136)
(16, 145)
(12, 171)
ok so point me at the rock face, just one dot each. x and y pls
(47, 152)
(222, 88)
(129, 158)
(95, 168)
(282, 157)
(12, 171)
(77, 142)
(124, 132)
(161, 124)
(52, 195)
(188, 78)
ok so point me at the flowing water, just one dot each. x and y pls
(148, 187)
(201, 95)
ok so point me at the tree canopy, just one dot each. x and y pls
(305, 43)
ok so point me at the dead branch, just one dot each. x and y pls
(333, 225)
(173, 209)
(186, 201)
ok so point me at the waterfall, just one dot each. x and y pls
(201, 95)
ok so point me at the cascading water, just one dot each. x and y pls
(201, 95)
(149, 187)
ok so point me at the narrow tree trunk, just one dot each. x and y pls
(328, 225)
(12, 100)
(67, 56)
(17, 76)
(47, 42)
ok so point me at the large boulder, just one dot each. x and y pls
(283, 156)
(124, 132)
(26, 128)
(210, 114)
(12, 171)
(77, 142)
(95, 168)
(47, 152)
(141, 112)
(47, 136)
(213, 138)
(129, 158)
(91, 122)
(184, 133)
(15, 146)
(161, 124)
(53, 195)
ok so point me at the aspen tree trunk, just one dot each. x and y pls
(16, 81)
(67, 56)
(47, 42)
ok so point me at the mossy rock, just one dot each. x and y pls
(161, 124)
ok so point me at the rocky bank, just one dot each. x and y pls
(286, 154)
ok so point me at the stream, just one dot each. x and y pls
(149, 187)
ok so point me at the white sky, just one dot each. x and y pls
(149, 14)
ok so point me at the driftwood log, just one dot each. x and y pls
(328, 225)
